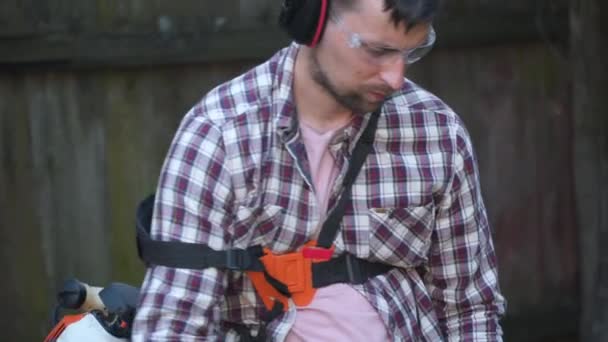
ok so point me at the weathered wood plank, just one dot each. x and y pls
(542, 325)
(589, 52)
(108, 50)
(68, 164)
(223, 36)
(24, 252)
(53, 190)
(28, 17)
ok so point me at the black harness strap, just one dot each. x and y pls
(364, 146)
(345, 268)
(189, 255)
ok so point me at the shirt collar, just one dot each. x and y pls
(283, 98)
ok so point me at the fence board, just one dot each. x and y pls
(23, 249)
(82, 142)
(198, 32)
(590, 127)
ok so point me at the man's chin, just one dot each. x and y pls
(362, 105)
(373, 101)
(371, 106)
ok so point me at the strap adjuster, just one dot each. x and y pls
(293, 270)
(317, 253)
(237, 259)
(357, 273)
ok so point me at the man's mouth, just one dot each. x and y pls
(378, 95)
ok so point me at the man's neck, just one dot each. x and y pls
(315, 106)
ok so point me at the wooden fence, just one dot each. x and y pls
(92, 92)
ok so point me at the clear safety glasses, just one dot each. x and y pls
(380, 54)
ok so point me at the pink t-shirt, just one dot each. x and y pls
(338, 312)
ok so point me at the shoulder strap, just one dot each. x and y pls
(189, 255)
(364, 146)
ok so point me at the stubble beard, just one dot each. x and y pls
(350, 100)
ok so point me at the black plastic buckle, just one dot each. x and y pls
(238, 259)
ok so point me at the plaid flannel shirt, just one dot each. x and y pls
(236, 175)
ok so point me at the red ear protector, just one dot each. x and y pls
(304, 20)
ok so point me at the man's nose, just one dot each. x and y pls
(393, 73)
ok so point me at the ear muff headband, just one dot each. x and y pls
(320, 24)
(304, 20)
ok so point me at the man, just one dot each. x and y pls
(261, 160)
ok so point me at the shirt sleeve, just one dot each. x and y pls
(462, 278)
(193, 204)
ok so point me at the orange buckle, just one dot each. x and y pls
(292, 269)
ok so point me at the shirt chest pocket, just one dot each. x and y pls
(401, 236)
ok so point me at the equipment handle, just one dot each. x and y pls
(80, 296)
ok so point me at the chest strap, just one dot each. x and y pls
(276, 278)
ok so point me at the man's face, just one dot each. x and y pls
(361, 77)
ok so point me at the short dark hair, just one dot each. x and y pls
(408, 12)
